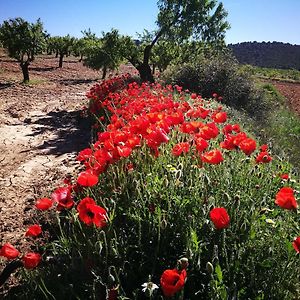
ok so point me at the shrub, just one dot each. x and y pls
(214, 74)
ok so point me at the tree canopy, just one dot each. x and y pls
(23, 40)
(181, 21)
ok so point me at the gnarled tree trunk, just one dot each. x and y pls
(144, 67)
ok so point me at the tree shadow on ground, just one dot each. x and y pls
(45, 69)
(63, 132)
(75, 81)
(6, 85)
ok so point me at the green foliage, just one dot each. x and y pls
(82, 46)
(213, 73)
(106, 53)
(159, 212)
(270, 73)
(22, 40)
(62, 45)
(202, 20)
(163, 53)
(279, 126)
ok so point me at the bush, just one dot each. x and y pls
(216, 74)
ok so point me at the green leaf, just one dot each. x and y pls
(219, 273)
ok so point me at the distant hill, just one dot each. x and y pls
(268, 54)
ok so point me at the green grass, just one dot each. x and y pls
(35, 81)
(273, 123)
(271, 73)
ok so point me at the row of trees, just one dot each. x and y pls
(183, 26)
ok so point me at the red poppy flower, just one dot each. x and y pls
(34, 230)
(263, 157)
(193, 96)
(228, 142)
(189, 127)
(209, 131)
(63, 197)
(284, 176)
(31, 260)
(44, 203)
(85, 154)
(236, 128)
(172, 281)
(201, 144)
(227, 129)
(247, 146)
(263, 147)
(90, 213)
(296, 244)
(87, 178)
(124, 151)
(219, 217)
(239, 138)
(9, 251)
(285, 198)
(220, 117)
(212, 157)
(180, 148)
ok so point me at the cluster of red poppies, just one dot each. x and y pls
(146, 115)
(31, 259)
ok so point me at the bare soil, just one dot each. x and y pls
(291, 92)
(41, 132)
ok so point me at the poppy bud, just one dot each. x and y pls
(209, 267)
(183, 263)
(163, 224)
(111, 280)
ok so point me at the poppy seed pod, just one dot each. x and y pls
(111, 280)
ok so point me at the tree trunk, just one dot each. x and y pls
(104, 71)
(144, 68)
(24, 67)
(56, 54)
(145, 73)
(61, 57)
(81, 57)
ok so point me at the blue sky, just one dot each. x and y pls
(251, 20)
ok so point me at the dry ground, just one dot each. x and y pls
(41, 131)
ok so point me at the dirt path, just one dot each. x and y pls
(41, 132)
